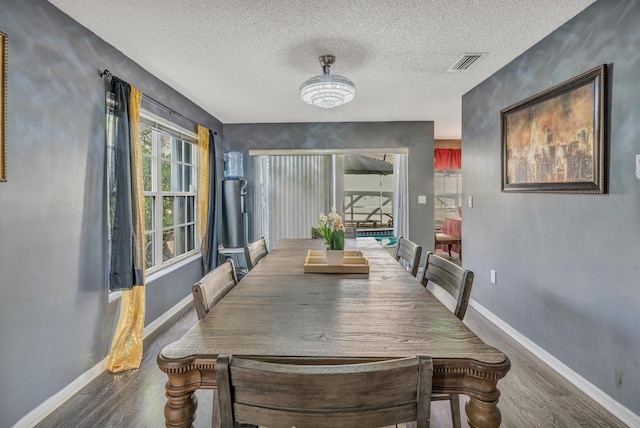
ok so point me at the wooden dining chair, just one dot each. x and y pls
(458, 282)
(213, 287)
(206, 293)
(447, 239)
(285, 395)
(255, 251)
(409, 252)
(315, 233)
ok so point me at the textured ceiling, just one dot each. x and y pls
(244, 60)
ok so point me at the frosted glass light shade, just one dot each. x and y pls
(327, 90)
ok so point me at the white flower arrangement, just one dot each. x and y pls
(332, 230)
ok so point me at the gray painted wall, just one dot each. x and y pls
(568, 265)
(416, 136)
(55, 320)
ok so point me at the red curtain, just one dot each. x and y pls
(447, 159)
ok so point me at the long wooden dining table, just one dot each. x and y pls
(278, 312)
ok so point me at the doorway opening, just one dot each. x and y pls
(369, 195)
(447, 197)
(294, 187)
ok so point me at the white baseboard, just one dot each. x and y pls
(618, 410)
(159, 322)
(52, 403)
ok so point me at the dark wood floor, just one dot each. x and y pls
(532, 394)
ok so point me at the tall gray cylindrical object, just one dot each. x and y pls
(233, 224)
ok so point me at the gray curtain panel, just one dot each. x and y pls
(123, 274)
(210, 257)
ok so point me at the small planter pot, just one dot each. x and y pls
(334, 257)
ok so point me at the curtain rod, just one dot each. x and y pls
(107, 73)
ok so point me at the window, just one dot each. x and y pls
(447, 189)
(169, 162)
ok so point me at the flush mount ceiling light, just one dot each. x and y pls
(327, 90)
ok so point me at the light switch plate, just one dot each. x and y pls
(638, 167)
(422, 199)
(470, 202)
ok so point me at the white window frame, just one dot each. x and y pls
(450, 189)
(156, 191)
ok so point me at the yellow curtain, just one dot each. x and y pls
(203, 190)
(126, 348)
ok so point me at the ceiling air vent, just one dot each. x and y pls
(466, 61)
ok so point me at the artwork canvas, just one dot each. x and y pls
(554, 141)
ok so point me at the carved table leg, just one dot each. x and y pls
(180, 409)
(483, 414)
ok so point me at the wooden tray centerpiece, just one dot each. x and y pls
(354, 262)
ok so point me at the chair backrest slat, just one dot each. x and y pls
(410, 253)
(369, 394)
(452, 278)
(254, 252)
(213, 287)
(315, 233)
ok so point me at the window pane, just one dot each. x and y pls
(149, 250)
(179, 241)
(188, 178)
(187, 153)
(191, 237)
(166, 176)
(149, 209)
(190, 208)
(168, 211)
(176, 181)
(177, 145)
(146, 173)
(165, 146)
(146, 139)
(167, 245)
(180, 210)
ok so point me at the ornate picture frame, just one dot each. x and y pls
(4, 46)
(554, 141)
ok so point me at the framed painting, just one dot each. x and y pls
(3, 106)
(554, 141)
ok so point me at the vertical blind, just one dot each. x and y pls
(293, 191)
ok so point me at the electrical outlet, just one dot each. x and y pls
(493, 277)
